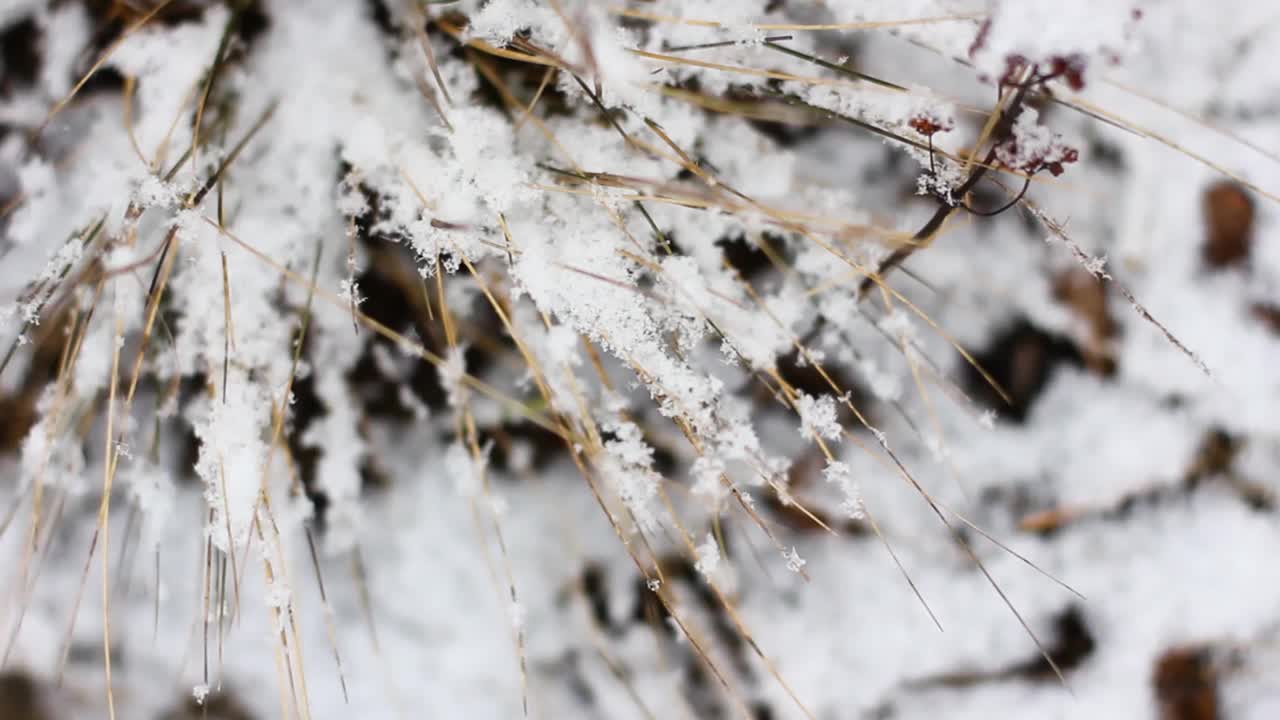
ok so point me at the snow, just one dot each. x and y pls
(818, 417)
(607, 424)
(1040, 31)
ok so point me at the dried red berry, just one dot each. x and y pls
(1014, 65)
(1070, 68)
(929, 125)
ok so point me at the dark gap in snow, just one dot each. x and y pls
(424, 381)
(704, 694)
(254, 22)
(986, 197)
(395, 296)
(896, 170)
(1244, 113)
(1021, 359)
(808, 378)
(1011, 503)
(1186, 685)
(188, 455)
(1215, 457)
(21, 698)
(1103, 153)
(680, 569)
(665, 461)
(483, 332)
(543, 445)
(110, 18)
(1268, 314)
(380, 13)
(220, 704)
(18, 404)
(189, 388)
(796, 519)
(377, 393)
(106, 80)
(884, 711)
(523, 80)
(1229, 212)
(1215, 461)
(786, 135)
(21, 52)
(307, 408)
(649, 610)
(576, 680)
(594, 589)
(1071, 645)
(485, 94)
(693, 84)
(372, 223)
(746, 256)
(372, 475)
(19, 412)
(1088, 299)
(386, 299)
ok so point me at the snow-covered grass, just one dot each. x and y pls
(677, 358)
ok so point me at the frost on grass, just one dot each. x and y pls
(818, 417)
(468, 341)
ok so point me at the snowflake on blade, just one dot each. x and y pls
(1032, 147)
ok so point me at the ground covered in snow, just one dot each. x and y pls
(675, 358)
